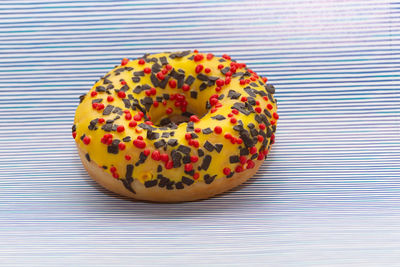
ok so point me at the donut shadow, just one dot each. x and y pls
(221, 203)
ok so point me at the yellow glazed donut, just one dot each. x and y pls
(176, 126)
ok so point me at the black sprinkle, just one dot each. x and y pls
(87, 157)
(179, 185)
(165, 135)
(207, 131)
(163, 181)
(184, 149)
(172, 142)
(163, 60)
(270, 88)
(225, 70)
(251, 125)
(244, 151)
(127, 139)
(142, 159)
(159, 143)
(186, 159)
(113, 148)
(108, 109)
(200, 152)
(127, 103)
(209, 179)
(218, 147)
(206, 162)
(100, 89)
(233, 94)
(193, 94)
(254, 84)
(218, 117)
(170, 185)
(202, 77)
(187, 180)
(230, 175)
(98, 100)
(203, 86)
(135, 79)
(129, 170)
(150, 183)
(234, 159)
(138, 73)
(154, 80)
(159, 168)
(209, 146)
(152, 135)
(250, 91)
(267, 113)
(156, 68)
(189, 80)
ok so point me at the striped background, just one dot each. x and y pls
(328, 195)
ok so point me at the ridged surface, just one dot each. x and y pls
(329, 193)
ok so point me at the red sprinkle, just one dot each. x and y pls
(132, 123)
(155, 104)
(188, 167)
(124, 61)
(250, 164)
(115, 175)
(100, 106)
(262, 126)
(169, 165)
(270, 107)
(210, 56)
(128, 116)
(147, 70)
(194, 118)
(258, 109)
(239, 169)
(185, 87)
(260, 138)
(198, 68)
(168, 67)
(218, 88)
(227, 171)
(139, 143)
(229, 73)
(243, 99)
(113, 169)
(160, 76)
(120, 128)
(123, 82)
(74, 135)
(239, 141)
(198, 57)
(196, 176)
(235, 111)
(220, 82)
(164, 157)
(93, 93)
(227, 80)
(218, 129)
(207, 70)
(121, 94)
(233, 120)
(264, 79)
(273, 122)
(228, 136)
(197, 130)
(141, 61)
(121, 146)
(127, 157)
(110, 98)
(168, 110)
(101, 120)
(156, 155)
(188, 136)
(86, 140)
(146, 152)
(194, 159)
(275, 115)
(172, 83)
(242, 159)
(253, 150)
(195, 51)
(220, 66)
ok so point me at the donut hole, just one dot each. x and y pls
(160, 117)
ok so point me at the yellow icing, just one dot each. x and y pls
(85, 113)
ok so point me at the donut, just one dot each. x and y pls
(175, 126)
